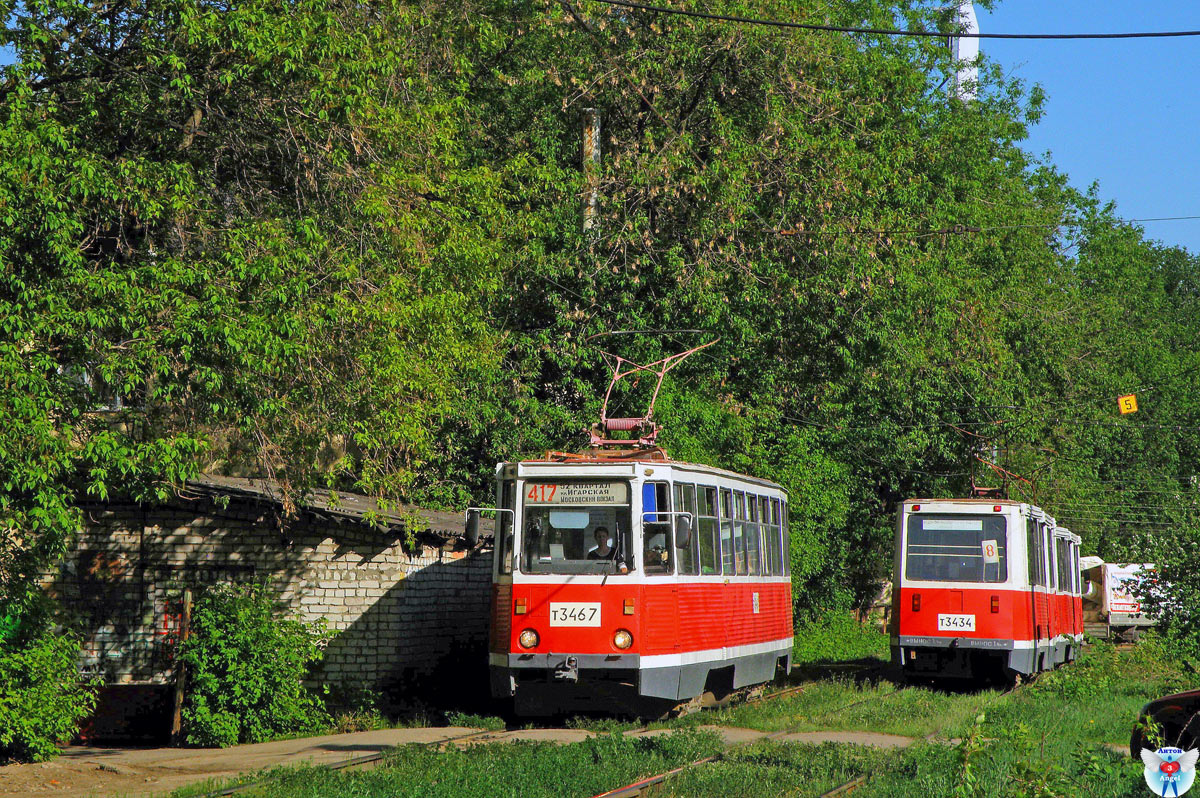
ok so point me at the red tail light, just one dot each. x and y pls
(996, 508)
(995, 604)
(916, 602)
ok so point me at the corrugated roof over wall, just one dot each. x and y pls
(338, 506)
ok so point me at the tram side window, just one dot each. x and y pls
(706, 527)
(1036, 558)
(504, 522)
(727, 531)
(1075, 567)
(1053, 562)
(787, 539)
(770, 536)
(1064, 576)
(687, 557)
(657, 551)
(753, 536)
(739, 532)
(775, 533)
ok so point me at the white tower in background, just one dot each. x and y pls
(965, 52)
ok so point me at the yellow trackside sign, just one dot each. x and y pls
(1128, 403)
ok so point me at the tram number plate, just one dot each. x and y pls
(574, 613)
(956, 623)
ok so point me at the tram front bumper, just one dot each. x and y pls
(507, 669)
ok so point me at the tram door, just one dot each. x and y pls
(660, 613)
(1036, 555)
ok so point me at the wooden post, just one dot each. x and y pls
(591, 169)
(185, 625)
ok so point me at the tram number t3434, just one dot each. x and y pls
(983, 589)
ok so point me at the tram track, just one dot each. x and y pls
(853, 784)
(371, 759)
(346, 764)
(640, 787)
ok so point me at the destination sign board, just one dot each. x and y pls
(577, 493)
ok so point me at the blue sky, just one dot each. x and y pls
(1124, 113)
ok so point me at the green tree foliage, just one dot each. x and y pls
(254, 225)
(246, 669)
(335, 242)
(43, 697)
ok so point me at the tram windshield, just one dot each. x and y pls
(957, 548)
(576, 528)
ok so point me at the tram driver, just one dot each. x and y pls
(601, 551)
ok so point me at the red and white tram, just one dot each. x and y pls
(625, 576)
(983, 587)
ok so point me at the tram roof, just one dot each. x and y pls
(972, 502)
(655, 458)
(1036, 511)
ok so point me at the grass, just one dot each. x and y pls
(470, 721)
(844, 705)
(499, 769)
(1053, 738)
(772, 769)
(838, 637)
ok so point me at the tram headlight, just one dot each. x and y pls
(622, 639)
(528, 639)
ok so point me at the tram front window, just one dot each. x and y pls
(957, 548)
(576, 528)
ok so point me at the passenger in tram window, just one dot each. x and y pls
(656, 549)
(602, 550)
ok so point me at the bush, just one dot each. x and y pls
(43, 696)
(837, 636)
(246, 668)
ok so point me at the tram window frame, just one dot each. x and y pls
(726, 526)
(1061, 555)
(753, 537)
(536, 554)
(708, 525)
(946, 547)
(1048, 556)
(685, 501)
(776, 530)
(739, 532)
(658, 563)
(1033, 554)
(786, 525)
(504, 526)
(1052, 562)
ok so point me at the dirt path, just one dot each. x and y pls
(87, 772)
(83, 771)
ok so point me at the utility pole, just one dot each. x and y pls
(591, 169)
(965, 52)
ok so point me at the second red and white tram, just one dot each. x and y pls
(622, 576)
(983, 587)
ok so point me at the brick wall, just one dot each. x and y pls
(403, 618)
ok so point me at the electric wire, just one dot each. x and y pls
(775, 23)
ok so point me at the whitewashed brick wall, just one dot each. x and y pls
(401, 617)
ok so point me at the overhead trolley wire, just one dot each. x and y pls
(959, 229)
(776, 23)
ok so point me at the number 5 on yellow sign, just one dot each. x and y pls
(1128, 403)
